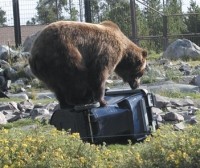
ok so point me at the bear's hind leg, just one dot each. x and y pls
(62, 101)
(97, 83)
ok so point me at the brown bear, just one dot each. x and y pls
(75, 59)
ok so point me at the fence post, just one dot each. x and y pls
(165, 32)
(88, 17)
(57, 17)
(133, 21)
(17, 23)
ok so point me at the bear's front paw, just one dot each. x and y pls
(103, 103)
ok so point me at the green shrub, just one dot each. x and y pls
(151, 75)
(173, 74)
(178, 94)
(45, 146)
(152, 55)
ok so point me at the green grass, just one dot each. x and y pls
(178, 94)
(34, 101)
(19, 123)
(152, 55)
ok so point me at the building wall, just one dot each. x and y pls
(7, 35)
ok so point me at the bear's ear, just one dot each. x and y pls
(144, 53)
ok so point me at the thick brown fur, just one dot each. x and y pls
(74, 59)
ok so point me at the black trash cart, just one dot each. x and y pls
(128, 115)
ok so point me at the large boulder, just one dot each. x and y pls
(29, 41)
(182, 49)
(4, 52)
(195, 80)
(7, 53)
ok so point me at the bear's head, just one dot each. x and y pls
(132, 67)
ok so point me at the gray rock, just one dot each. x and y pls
(27, 104)
(196, 70)
(171, 109)
(196, 80)
(25, 55)
(3, 119)
(159, 118)
(14, 106)
(186, 79)
(25, 115)
(18, 66)
(38, 105)
(4, 64)
(179, 126)
(38, 111)
(156, 110)
(3, 83)
(29, 41)
(186, 69)
(182, 102)
(22, 89)
(19, 95)
(171, 116)
(7, 112)
(24, 105)
(193, 121)
(182, 48)
(45, 95)
(161, 102)
(188, 117)
(13, 118)
(35, 82)
(51, 106)
(19, 82)
(28, 72)
(10, 73)
(5, 106)
(4, 52)
(164, 62)
(192, 110)
(44, 119)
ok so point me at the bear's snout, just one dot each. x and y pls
(134, 84)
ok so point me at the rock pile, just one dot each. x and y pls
(177, 111)
(182, 48)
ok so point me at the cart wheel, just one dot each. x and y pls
(86, 106)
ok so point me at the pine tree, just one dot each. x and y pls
(154, 24)
(193, 21)
(2, 17)
(176, 23)
(50, 10)
(119, 12)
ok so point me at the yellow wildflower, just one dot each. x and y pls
(177, 162)
(148, 139)
(193, 140)
(43, 157)
(6, 148)
(185, 155)
(59, 150)
(82, 160)
(75, 135)
(107, 152)
(138, 158)
(5, 166)
(5, 131)
(24, 145)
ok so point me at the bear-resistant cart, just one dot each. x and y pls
(128, 115)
